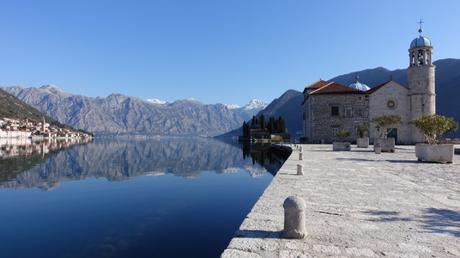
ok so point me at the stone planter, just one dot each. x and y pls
(377, 149)
(443, 153)
(387, 144)
(341, 146)
(362, 142)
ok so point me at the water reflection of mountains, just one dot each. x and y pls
(122, 159)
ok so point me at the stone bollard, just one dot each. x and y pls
(300, 155)
(377, 148)
(299, 169)
(294, 218)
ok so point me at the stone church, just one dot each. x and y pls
(330, 107)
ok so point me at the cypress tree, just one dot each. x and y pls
(282, 125)
(245, 130)
(271, 125)
(262, 122)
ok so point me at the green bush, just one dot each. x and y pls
(363, 130)
(342, 134)
(383, 122)
(434, 126)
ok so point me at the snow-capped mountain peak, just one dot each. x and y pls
(255, 104)
(157, 101)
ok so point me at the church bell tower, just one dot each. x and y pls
(421, 78)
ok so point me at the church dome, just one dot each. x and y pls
(359, 86)
(421, 41)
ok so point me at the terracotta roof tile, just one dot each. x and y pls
(316, 85)
(374, 89)
(335, 88)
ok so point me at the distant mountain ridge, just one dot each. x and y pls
(288, 106)
(120, 114)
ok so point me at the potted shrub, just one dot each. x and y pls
(363, 136)
(342, 145)
(433, 127)
(383, 123)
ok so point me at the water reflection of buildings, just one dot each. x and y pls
(26, 147)
(269, 156)
(117, 160)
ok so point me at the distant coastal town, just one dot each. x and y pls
(17, 128)
(26, 147)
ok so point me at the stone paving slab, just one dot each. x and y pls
(359, 204)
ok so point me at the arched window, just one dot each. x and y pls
(421, 57)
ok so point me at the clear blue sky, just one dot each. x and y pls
(216, 51)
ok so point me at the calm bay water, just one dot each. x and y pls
(131, 198)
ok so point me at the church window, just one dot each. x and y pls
(334, 111)
(391, 104)
(421, 57)
(349, 112)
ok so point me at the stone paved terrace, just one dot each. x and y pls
(359, 204)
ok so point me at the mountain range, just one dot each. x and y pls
(119, 114)
(289, 105)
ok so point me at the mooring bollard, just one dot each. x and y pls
(377, 148)
(299, 169)
(294, 218)
(300, 155)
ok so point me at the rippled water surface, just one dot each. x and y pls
(130, 198)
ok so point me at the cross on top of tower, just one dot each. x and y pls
(420, 26)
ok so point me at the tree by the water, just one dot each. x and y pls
(275, 125)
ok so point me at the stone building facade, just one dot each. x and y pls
(390, 99)
(336, 108)
(330, 107)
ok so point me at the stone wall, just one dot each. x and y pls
(307, 117)
(422, 95)
(353, 111)
(379, 105)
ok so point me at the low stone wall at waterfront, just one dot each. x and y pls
(357, 204)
